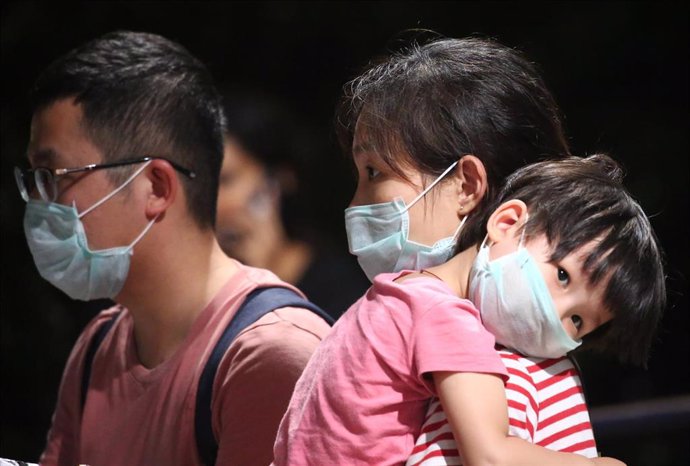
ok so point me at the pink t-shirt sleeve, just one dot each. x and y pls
(63, 437)
(448, 336)
(62, 446)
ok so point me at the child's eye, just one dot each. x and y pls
(563, 277)
(577, 321)
(371, 172)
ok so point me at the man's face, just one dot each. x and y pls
(58, 140)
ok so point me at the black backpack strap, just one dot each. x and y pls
(91, 352)
(258, 303)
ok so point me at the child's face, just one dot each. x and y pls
(432, 218)
(579, 305)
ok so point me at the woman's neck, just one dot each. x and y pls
(456, 271)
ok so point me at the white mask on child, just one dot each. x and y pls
(516, 306)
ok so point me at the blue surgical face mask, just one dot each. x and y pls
(516, 306)
(56, 238)
(378, 235)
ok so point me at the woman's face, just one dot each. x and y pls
(432, 218)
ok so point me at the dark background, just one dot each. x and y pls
(618, 70)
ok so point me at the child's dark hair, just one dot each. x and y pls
(144, 95)
(574, 201)
(430, 104)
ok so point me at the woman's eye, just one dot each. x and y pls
(563, 277)
(577, 321)
(371, 172)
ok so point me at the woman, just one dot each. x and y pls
(466, 113)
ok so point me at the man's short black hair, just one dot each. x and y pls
(574, 201)
(144, 95)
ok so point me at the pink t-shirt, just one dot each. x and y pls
(363, 396)
(139, 416)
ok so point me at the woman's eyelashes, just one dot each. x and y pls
(371, 172)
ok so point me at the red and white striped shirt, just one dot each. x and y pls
(546, 406)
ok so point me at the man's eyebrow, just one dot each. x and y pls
(42, 157)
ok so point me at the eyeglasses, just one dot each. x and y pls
(45, 179)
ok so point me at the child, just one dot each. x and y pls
(540, 384)
(573, 250)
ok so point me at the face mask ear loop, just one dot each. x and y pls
(459, 229)
(522, 234)
(423, 193)
(486, 237)
(120, 188)
(141, 235)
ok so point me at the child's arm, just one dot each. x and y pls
(476, 407)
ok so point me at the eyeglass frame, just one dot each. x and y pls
(20, 174)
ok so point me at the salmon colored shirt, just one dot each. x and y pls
(139, 416)
(363, 397)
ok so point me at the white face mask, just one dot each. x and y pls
(58, 243)
(516, 306)
(378, 235)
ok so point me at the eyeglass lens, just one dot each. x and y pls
(40, 179)
(45, 184)
(19, 178)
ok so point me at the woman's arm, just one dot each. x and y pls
(476, 407)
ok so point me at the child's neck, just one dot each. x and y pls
(456, 272)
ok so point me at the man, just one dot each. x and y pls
(126, 149)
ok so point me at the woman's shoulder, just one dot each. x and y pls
(415, 284)
(419, 291)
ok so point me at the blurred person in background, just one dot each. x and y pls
(263, 202)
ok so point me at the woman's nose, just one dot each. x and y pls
(356, 199)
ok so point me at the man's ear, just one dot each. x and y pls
(506, 220)
(472, 183)
(163, 187)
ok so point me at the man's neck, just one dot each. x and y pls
(168, 289)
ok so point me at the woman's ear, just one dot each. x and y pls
(506, 220)
(472, 183)
(162, 189)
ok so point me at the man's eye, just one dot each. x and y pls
(577, 321)
(371, 172)
(563, 277)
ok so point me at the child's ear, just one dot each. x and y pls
(472, 183)
(506, 220)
